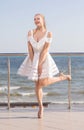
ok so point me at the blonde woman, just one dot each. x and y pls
(39, 65)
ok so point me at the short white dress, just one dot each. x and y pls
(29, 68)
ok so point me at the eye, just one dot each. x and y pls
(38, 18)
(34, 19)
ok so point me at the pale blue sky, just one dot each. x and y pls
(65, 18)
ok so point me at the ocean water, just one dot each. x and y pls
(22, 90)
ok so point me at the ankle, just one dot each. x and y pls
(69, 77)
(41, 107)
(40, 112)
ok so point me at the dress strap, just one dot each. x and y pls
(47, 33)
(31, 32)
(48, 39)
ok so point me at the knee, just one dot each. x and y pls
(38, 86)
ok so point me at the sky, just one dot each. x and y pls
(64, 18)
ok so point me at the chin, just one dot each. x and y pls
(39, 26)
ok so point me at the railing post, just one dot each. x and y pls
(69, 83)
(8, 63)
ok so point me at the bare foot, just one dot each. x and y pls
(68, 77)
(40, 112)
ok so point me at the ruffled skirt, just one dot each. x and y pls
(30, 69)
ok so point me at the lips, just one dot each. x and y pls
(37, 22)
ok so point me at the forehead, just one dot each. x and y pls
(37, 16)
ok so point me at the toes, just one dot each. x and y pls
(69, 77)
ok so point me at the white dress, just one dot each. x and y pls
(30, 68)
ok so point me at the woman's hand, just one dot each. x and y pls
(39, 70)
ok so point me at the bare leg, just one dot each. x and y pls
(44, 82)
(48, 81)
(39, 95)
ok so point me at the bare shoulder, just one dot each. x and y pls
(49, 35)
(29, 33)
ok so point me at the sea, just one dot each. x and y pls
(23, 90)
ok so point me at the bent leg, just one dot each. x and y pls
(48, 81)
(44, 82)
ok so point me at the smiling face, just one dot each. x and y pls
(39, 21)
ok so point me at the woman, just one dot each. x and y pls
(39, 65)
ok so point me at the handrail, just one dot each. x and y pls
(56, 54)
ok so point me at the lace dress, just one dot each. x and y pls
(30, 68)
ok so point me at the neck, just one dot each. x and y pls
(41, 28)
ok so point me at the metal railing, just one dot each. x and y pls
(56, 54)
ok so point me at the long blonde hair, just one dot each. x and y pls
(44, 23)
